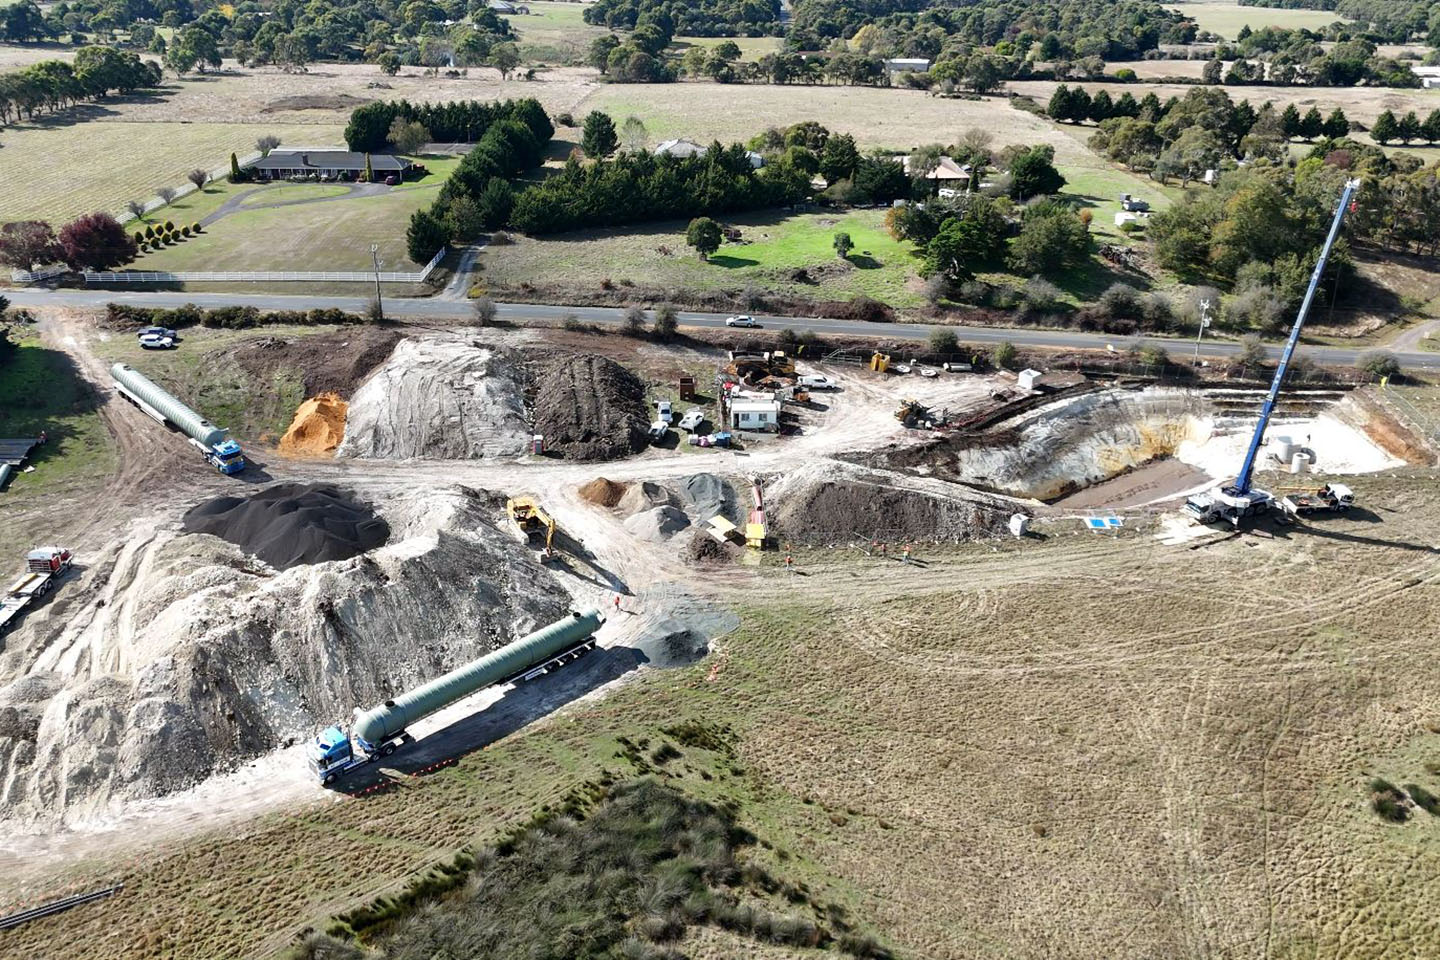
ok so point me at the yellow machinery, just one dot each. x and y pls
(532, 520)
(781, 365)
(912, 413)
(879, 362)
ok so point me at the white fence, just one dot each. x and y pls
(45, 273)
(225, 276)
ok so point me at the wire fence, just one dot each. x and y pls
(225, 276)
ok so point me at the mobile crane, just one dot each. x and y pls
(1241, 501)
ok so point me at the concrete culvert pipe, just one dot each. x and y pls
(388, 720)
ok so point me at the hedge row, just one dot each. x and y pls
(231, 318)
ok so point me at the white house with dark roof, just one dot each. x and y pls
(680, 147)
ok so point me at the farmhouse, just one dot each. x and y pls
(907, 65)
(331, 163)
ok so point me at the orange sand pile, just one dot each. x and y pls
(318, 427)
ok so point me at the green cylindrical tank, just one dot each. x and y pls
(379, 724)
(171, 409)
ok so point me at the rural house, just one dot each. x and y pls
(689, 148)
(907, 65)
(329, 163)
(947, 178)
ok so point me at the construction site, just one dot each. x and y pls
(1074, 651)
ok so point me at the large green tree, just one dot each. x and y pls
(598, 138)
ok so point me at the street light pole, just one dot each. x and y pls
(375, 259)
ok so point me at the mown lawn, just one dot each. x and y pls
(772, 245)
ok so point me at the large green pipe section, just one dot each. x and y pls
(167, 406)
(379, 724)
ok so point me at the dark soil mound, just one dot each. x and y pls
(703, 549)
(291, 524)
(590, 408)
(325, 363)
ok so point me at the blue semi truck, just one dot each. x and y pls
(378, 732)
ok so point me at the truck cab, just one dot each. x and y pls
(331, 754)
(227, 457)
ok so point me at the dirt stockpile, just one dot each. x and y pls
(318, 427)
(705, 495)
(291, 524)
(589, 408)
(827, 502)
(441, 397)
(644, 496)
(658, 524)
(606, 493)
(200, 657)
(705, 549)
(324, 363)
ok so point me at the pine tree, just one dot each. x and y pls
(1386, 128)
(1059, 107)
(1290, 122)
(1101, 107)
(1079, 105)
(369, 170)
(1337, 125)
(235, 176)
(1410, 128)
(1430, 129)
(1311, 124)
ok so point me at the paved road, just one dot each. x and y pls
(440, 309)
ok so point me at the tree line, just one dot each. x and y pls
(478, 195)
(464, 121)
(1385, 21)
(694, 18)
(54, 85)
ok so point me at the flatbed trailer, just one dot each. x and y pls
(44, 566)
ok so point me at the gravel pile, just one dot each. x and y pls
(658, 524)
(705, 495)
(291, 524)
(589, 407)
(646, 495)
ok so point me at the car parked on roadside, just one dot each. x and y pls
(742, 320)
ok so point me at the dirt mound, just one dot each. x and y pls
(324, 363)
(318, 427)
(705, 549)
(646, 496)
(705, 495)
(291, 524)
(442, 397)
(589, 407)
(200, 657)
(827, 502)
(606, 493)
(658, 524)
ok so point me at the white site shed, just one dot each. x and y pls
(755, 415)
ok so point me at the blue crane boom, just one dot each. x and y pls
(1241, 486)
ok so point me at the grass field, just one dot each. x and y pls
(554, 33)
(334, 235)
(1075, 747)
(70, 169)
(40, 391)
(773, 244)
(1226, 19)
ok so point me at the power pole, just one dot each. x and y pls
(375, 259)
(1204, 322)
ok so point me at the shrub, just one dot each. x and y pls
(667, 321)
(185, 230)
(1158, 312)
(974, 291)
(1043, 295)
(169, 226)
(936, 288)
(1153, 356)
(1379, 363)
(943, 342)
(1005, 354)
(1126, 75)
(566, 120)
(375, 311)
(634, 320)
(1388, 801)
(1424, 799)
(139, 238)
(572, 323)
(1121, 301)
(194, 228)
(484, 311)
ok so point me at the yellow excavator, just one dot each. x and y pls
(532, 521)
